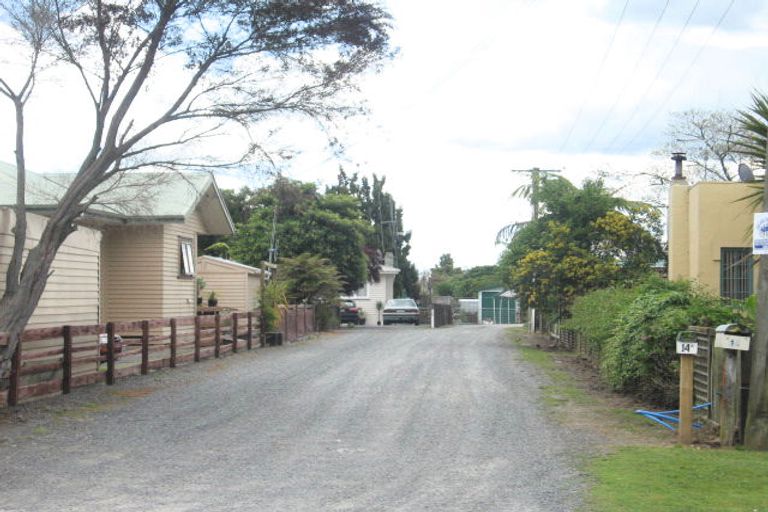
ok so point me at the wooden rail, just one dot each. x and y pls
(54, 360)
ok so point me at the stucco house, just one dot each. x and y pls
(710, 236)
(373, 292)
(133, 255)
(236, 285)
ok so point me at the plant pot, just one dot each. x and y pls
(273, 339)
(212, 302)
(199, 301)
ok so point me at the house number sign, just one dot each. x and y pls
(687, 348)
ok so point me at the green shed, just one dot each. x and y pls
(498, 306)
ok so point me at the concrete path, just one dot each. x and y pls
(366, 419)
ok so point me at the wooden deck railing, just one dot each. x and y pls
(55, 360)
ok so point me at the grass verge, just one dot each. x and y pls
(646, 476)
(666, 479)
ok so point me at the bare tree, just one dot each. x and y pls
(710, 141)
(240, 63)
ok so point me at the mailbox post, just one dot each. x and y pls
(732, 338)
(687, 347)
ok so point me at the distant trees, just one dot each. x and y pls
(293, 218)
(380, 209)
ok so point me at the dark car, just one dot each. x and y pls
(349, 313)
(401, 311)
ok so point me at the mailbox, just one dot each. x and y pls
(687, 343)
(732, 337)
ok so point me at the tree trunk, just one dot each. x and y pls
(16, 308)
(756, 430)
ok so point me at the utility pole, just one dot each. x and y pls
(532, 192)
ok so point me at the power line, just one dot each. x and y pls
(629, 77)
(655, 78)
(682, 77)
(597, 76)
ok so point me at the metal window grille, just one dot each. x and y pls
(735, 272)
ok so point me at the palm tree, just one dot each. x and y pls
(754, 145)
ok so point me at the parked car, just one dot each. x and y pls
(401, 311)
(349, 313)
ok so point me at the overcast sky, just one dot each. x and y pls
(479, 88)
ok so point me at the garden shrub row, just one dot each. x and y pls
(631, 332)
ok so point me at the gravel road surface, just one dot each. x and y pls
(367, 419)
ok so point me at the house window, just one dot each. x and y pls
(186, 259)
(735, 272)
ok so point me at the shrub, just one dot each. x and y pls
(594, 315)
(271, 300)
(639, 357)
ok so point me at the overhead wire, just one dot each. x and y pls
(681, 79)
(597, 76)
(664, 63)
(628, 80)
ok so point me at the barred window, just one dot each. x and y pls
(735, 272)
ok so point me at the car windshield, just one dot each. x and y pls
(401, 303)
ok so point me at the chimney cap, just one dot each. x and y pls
(678, 156)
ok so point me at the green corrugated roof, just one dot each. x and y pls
(131, 195)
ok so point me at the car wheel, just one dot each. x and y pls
(416, 322)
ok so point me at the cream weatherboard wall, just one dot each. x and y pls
(703, 219)
(140, 271)
(236, 285)
(71, 294)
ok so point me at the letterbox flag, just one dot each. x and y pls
(760, 234)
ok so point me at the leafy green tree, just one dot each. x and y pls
(386, 218)
(310, 279)
(584, 238)
(329, 226)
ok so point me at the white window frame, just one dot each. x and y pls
(187, 267)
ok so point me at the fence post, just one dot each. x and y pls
(217, 336)
(13, 384)
(110, 353)
(296, 320)
(197, 338)
(234, 333)
(249, 333)
(144, 347)
(66, 363)
(172, 363)
(285, 323)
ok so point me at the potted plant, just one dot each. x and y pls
(200, 282)
(360, 317)
(379, 307)
(271, 300)
(213, 300)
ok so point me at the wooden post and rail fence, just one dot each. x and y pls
(54, 360)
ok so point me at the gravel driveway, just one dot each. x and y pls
(395, 418)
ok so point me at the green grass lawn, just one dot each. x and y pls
(653, 478)
(659, 479)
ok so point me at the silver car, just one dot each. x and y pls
(401, 311)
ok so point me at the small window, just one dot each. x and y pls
(735, 272)
(186, 259)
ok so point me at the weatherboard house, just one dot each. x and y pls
(373, 292)
(133, 255)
